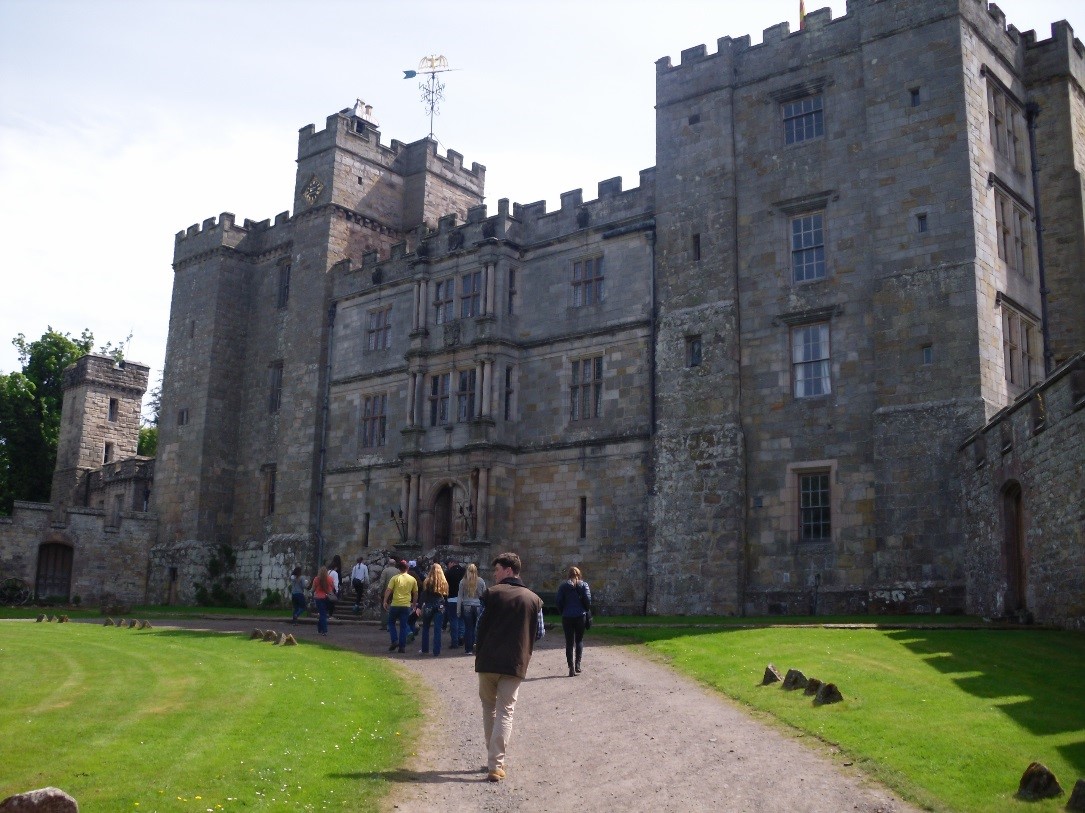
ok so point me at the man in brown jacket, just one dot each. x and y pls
(511, 622)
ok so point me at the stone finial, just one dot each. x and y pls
(271, 635)
(772, 675)
(41, 617)
(1077, 797)
(43, 800)
(828, 693)
(1038, 782)
(256, 635)
(812, 686)
(289, 640)
(794, 679)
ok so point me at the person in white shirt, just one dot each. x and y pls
(359, 580)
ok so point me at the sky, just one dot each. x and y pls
(123, 122)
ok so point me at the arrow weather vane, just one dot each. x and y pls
(433, 89)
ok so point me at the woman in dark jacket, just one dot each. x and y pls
(574, 602)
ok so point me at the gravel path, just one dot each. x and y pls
(627, 734)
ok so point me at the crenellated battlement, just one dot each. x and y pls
(221, 232)
(1061, 55)
(107, 372)
(736, 62)
(344, 130)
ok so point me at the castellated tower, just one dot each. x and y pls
(102, 401)
(847, 255)
(246, 366)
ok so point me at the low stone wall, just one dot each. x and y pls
(1023, 478)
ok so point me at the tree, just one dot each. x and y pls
(30, 403)
(148, 430)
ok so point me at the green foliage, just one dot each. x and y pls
(175, 720)
(217, 592)
(272, 599)
(30, 403)
(949, 718)
(148, 441)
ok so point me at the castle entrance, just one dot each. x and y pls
(1013, 530)
(442, 517)
(54, 579)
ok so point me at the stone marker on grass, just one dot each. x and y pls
(43, 800)
(1077, 797)
(271, 635)
(812, 686)
(772, 675)
(794, 679)
(828, 693)
(1038, 782)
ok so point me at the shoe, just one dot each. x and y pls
(393, 646)
(402, 649)
(577, 668)
(571, 672)
(496, 775)
(469, 652)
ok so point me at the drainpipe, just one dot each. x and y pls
(324, 438)
(1032, 112)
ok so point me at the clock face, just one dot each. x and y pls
(312, 190)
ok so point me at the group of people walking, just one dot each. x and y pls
(499, 624)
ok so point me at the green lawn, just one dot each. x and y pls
(178, 720)
(948, 718)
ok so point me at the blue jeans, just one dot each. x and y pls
(435, 622)
(455, 624)
(322, 616)
(397, 616)
(469, 623)
(298, 599)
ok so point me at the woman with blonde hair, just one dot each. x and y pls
(323, 592)
(469, 606)
(434, 593)
(574, 604)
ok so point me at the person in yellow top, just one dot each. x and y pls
(400, 599)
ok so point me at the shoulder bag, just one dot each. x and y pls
(587, 608)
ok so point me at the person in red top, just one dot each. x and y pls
(323, 592)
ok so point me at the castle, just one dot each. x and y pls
(797, 369)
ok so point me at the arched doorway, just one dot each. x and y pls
(442, 517)
(1013, 548)
(54, 578)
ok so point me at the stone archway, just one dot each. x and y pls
(443, 513)
(54, 574)
(1013, 549)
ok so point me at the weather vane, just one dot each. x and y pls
(432, 89)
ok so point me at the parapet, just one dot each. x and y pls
(199, 239)
(344, 130)
(1061, 55)
(105, 371)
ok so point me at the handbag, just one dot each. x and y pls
(587, 609)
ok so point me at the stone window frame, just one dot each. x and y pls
(439, 398)
(182, 416)
(801, 103)
(586, 388)
(1005, 119)
(283, 288)
(1014, 241)
(587, 281)
(444, 299)
(694, 351)
(802, 369)
(108, 450)
(1021, 345)
(512, 292)
(374, 426)
(274, 386)
(114, 410)
(466, 385)
(792, 498)
(815, 204)
(268, 485)
(379, 332)
(510, 392)
(471, 294)
(798, 320)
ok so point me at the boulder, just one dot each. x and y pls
(63, 619)
(132, 623)
(794, 679)
(772, 675)
(271, 635)
(43, 800)
(1077, 798)
(41, 617)
(108, 622)
(812, 686)
(828, 693)
(289, 640)
(1037, 782)
(256, 635)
